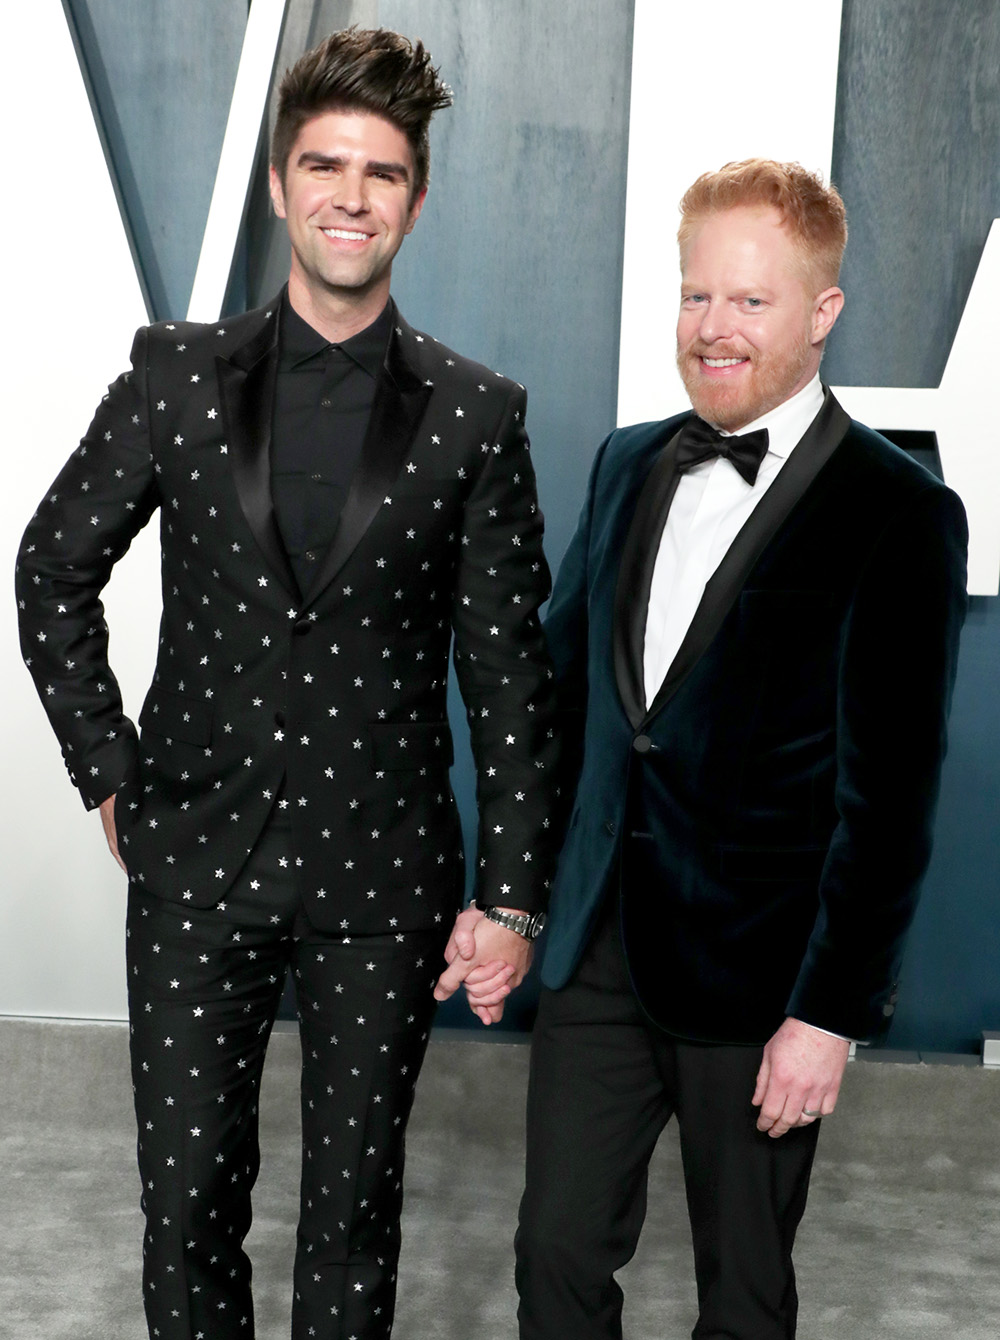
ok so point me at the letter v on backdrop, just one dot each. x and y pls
(73, 299)
(731, 84)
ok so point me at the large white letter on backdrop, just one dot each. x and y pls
(74, 300)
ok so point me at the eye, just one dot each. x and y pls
(693, 299)
(754, 303)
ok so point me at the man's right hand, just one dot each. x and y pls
(107, 808)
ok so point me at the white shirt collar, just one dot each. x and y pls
(787, 422)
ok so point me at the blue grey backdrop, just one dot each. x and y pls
(517, 261)
(916, 158)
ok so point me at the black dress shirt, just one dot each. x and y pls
(322, 403)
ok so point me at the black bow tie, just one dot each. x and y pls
(699, 441)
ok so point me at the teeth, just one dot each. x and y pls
(347, 236)
(723, 362)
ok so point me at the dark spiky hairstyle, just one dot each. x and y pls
(362, 70)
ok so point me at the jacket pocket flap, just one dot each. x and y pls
(177, 717)
(415, 744)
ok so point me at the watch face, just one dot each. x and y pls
(537, 924)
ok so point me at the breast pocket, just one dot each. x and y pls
(792, 639)
(427, 504)
(767, 610)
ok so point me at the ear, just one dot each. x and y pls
(826, 308)
(277, 194)
(415, 208)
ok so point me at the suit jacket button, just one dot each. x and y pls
(301, 627)
(609, 827)
(279, 718)
(642, 744)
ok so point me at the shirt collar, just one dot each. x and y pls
(299, 341)
(787, 422)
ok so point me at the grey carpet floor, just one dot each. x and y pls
(901, 1240)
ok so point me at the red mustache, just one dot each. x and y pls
(698, 349)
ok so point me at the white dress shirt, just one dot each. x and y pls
(711, 503)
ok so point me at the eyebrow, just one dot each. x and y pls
(311, 158)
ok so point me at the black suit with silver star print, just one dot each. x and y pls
(286, 796)
(340, 692)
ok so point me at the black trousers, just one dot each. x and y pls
(604, 1082)
(204, 987)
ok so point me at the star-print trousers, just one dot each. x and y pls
(204, 987)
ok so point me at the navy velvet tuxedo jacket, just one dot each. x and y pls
(337, 693)
(768, 819)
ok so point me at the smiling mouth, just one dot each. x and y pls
(723, 362)
(346, 234)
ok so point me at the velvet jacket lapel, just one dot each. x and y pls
(723, 588)
(635, 576)
(247, 383)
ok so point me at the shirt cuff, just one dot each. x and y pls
(829, 1032)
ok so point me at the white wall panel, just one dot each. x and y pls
(710, 84)
(72, 301)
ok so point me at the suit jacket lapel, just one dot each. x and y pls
(400, 401)
(635, 576)
(246, 382)
(811, 453)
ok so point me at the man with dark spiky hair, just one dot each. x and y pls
(342, 499)
(363, 70)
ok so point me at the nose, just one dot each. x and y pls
(349, 192)
(715, 323)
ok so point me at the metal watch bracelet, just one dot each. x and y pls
(527, 924)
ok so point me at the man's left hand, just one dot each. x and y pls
(799, 1077)
(488, 959)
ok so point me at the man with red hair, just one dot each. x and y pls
(757, 624)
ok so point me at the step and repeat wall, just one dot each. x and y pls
(546, 250)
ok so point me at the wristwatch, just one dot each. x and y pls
(528, 924)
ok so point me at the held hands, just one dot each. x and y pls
(489, 960)
(107, 808)
(799, 1077)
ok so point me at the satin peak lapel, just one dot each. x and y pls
(400, 400)
(635, 577)
(811, 453)
(246, 382)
